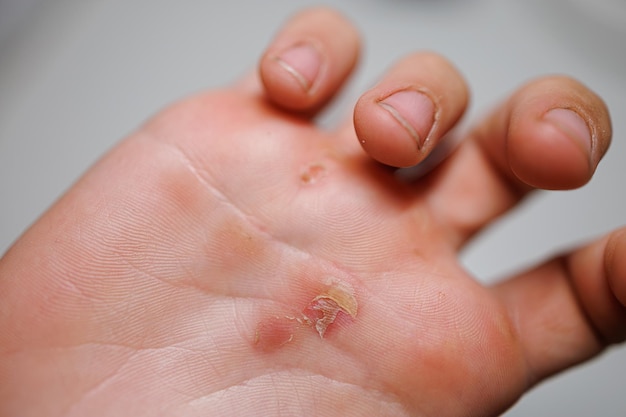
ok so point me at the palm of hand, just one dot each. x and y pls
(290, 212)
(233, 259)
(243, 224)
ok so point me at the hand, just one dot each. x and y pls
(232, 259)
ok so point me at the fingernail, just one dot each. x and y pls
(415, 111)
(570, 123)
(303, 62)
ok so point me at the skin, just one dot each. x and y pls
(174, 277)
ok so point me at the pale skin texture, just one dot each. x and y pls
(174, 277)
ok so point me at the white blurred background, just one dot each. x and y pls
(78, 75)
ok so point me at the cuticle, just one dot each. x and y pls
(315, 44)
(321, 74)
(591, 126)
(428, 93)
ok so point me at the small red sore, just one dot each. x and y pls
(274, 333)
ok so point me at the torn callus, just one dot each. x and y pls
(276, 331)
(323, 309)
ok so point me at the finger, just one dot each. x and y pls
(401, 120)
(558, 130)
(309, 60)
(550, 134)
(569, 309)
